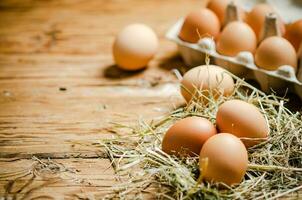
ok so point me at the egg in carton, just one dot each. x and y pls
(243, 64)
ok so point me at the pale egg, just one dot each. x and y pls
(206, 80)
(134, 47)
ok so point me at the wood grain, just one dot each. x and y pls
(60, 91)
(63, 178)
(59, 87)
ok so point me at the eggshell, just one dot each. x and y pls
(274, 52)
(236, 37)
(202, 21)
(206, 78)
(294, 33)
(219, 8)
(256, 18)
(223, 158)
(243, 120)
(134, 47)
(187, 136)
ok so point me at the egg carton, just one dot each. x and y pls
(243, 65)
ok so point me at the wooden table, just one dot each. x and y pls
(59, 89)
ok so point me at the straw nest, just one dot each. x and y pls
(275, 166)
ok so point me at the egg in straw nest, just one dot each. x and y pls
(269, 169)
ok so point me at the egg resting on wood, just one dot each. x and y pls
(134, 47)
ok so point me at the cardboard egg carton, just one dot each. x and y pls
(242, 65)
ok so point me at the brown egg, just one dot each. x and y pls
(224, 159)
(202, 21)
(294, 34)
(274, 52)
(236, 37)
(243, 120)
(187, 136)
(206, 78)
(134, 47)
(256, 18)
(219, 8)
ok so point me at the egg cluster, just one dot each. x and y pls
(221, 148)
(260, 31)
(221, 144)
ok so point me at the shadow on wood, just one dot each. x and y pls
(173, 62)
(114, 72)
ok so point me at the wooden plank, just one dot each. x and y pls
(29, 179)
(59, 86)
(80, 27)
(46, 125)
(33, 80)
(49, 110)
(58, 179)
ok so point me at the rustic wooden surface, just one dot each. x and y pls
(59, 87)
